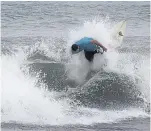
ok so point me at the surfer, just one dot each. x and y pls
(90, 47)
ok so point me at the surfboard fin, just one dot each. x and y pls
(120, 34)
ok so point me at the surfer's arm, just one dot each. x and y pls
(99, 44)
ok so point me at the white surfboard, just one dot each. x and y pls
(118, 32)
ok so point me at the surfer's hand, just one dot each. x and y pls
(105, 49)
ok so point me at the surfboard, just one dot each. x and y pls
(118, 32)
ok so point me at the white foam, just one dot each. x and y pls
(22, 100)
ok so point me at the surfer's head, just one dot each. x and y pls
(75, 48)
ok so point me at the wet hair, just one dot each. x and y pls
(74, 47)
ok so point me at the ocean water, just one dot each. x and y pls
(45, 88)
